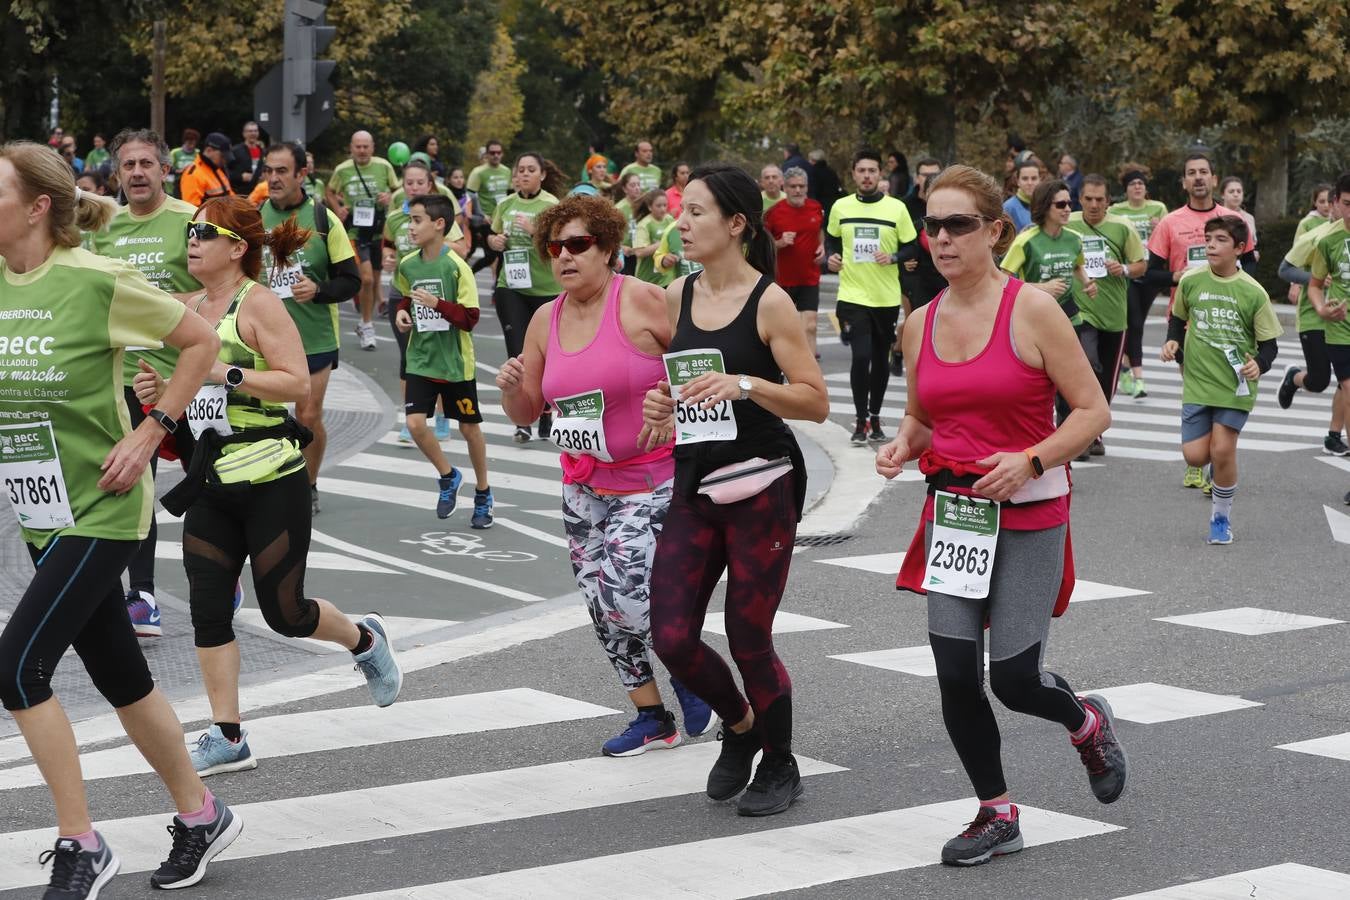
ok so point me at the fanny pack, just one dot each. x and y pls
(743, 480)
(209, 467)
(943, 474)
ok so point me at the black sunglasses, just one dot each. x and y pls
(1061, 204)
(956, 225)
(575, 245)
(209, 231)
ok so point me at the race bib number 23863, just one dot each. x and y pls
(965, 539)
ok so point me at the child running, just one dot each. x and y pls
(439, 309)
(1229, 328)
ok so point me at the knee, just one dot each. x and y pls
(23, 687)
(301, 624)
(1316, 382)
(212, 627)
(674, 645)
(1014, 682)
(959, 669)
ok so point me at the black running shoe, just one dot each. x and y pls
(731, 773)
(777, 786)
(1288, 388)
(193, 848)
(897, 363)
(874, 433)
(988, 836)
(522, 434)
(1102, 755)
(78, 874)
(1334, 445)
(860, 432)
(545, 425)
(1347, 498)
(1097, 448)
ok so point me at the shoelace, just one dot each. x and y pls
(983, 820)
(188, 846)
(65, 869)
(204, 741)
(1092, 754)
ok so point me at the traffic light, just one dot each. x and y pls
(294, 100)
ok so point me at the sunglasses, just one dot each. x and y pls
(956, 225)
(1061, 204)
(209, 231)
(575, 245)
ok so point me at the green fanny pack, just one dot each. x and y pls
(256, 461)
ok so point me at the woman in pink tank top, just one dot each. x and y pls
(591, 355)
(984, 362)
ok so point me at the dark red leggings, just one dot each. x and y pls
(752, 540)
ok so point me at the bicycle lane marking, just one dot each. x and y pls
(457, 543)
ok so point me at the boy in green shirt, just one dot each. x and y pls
(1229, 328)
(438, 312)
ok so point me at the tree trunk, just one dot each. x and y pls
(1272, 195)
(937, 123)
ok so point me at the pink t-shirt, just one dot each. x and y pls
(1180, 237)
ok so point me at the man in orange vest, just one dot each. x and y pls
(207, 177)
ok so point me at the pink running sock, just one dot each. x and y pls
(87, 841)
(1089, 726)
(1003, 808)
(204, 816)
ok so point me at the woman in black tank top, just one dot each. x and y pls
(741, 366)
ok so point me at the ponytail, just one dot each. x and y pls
(93, 212)
(285, 240)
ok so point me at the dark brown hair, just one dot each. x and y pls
(243, 218)
(598, 215)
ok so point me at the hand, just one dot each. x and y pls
(836, 262)
(911, 265)
(668, 261)
(709, 389)
(423, 297)
(1055, 287)
(789, 237)
(1292, 295)
(1115, 269)
(1091, 289)
(525, 224)
(1169, 351)
(658, 417)
(891, 457)
(126, 461)
(882, 257)
(1010, 472)
(403, 321)
(511, 376)
(342, 211)
(820, 254)
(1250, 370)
(303, 291)
(1332, 312)
(246, 177)
(497, 242)
(148, 384)
(382, 198)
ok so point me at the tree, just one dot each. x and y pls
(496, 109)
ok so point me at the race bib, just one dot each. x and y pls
(424, 317)
(866, 243)
(206, 411)
(694, 424)
(579, 425)
(1237, 362)
(31, 468)
(1094, 257)
(283, 281)
(1195, 257)
(688, 266)
(965, 538)
(518, 270)
(363, 216)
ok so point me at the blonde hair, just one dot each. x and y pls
(42, 172)
(988, 197)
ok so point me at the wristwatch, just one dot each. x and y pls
(744, 385)
(166, 421)
(234, 376)
(1037, 469)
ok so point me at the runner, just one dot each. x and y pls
(872, 234)
(770, 185)
(87, 506)
(419, 183)
(679, 177)
(1319, 212)
(1178, 244)
(1329, 291)
(1230, 347)
(148, 234)
(439, 295)
(1027, 174)
(208, 176)
(488, 183)
(319, 275)
(1316, 373)
(918, 276)
(796, 227)
(740, 480)
(1144, 214)
(1112, 255)
(981, 384)
(649, 174)
(358, 191)
(526, 281)
(628, 190)
(181, 157)
(593, 353)
(245, 491)
(95, 158)
(1231, 195)
(653, 221)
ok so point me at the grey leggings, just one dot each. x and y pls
(1027, 571)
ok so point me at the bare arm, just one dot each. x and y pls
(915, 434)
(266, 325)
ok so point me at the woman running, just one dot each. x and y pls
(77, 475)
(738, 365)
(592, 354)
(985, 361)
(245, 491)
(1143, 214)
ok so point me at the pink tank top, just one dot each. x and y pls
(611, 364)
(991, 403)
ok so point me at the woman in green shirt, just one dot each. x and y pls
(1143, 214)
(77, 476)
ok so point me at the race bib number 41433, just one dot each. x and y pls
(695, 424)
(31, 468)
(965, 539)
(866, 243)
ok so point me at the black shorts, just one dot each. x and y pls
(319, 361)
(459, 399)
(1339, 354)
(365, 247)
(806, 297)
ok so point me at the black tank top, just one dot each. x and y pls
(758, 431)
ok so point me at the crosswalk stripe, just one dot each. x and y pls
(275, 737)
(1149, 703)
(1286, 881)
(1174, 420)
(783, 623)
(498, 452)
(389, 465)
(548, 537)
(1125, 452)
(1336, 746)
(316, 559)
(329, 820)
(764, 862)
(1250, 621)
(403, 627)
(365, 490)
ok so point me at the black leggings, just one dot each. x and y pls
(267, 523)
(1317, 374)
(514, 311)
(871, 336)
(75, 598)
(1139, 300)
(1102, 349)
(752, 541)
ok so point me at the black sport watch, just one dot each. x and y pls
(234, 376)
(166, 421)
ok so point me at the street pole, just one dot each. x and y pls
(157, 81)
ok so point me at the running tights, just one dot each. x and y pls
(1026, 577)
(1139, 301)
(514, 311)
(871, 336)
(1102, 349)
(752, 541)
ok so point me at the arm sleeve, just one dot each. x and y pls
(1158, 276)
(140, 313)
(462, 317)
(1320, 266)
(908, 250)
(343, 284)
(1293, 274)
(1265, 354)
(1176, 328)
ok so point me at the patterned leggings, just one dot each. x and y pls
(612, 540)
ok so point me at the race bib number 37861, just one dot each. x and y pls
(33, 481)
(696, 424)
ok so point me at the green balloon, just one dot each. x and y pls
(399, 153)
(419, 155)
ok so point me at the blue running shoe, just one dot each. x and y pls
(383, 675)
(699, 719)
(144, 614)
(76, 872)
(194, 847)
(647, 732)
(1220, 532)
(482, 509)
(442, 427)
(238, 595)
(404, 435)
(215, 754)
(449, 484)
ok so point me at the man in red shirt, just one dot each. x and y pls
(796, 228)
